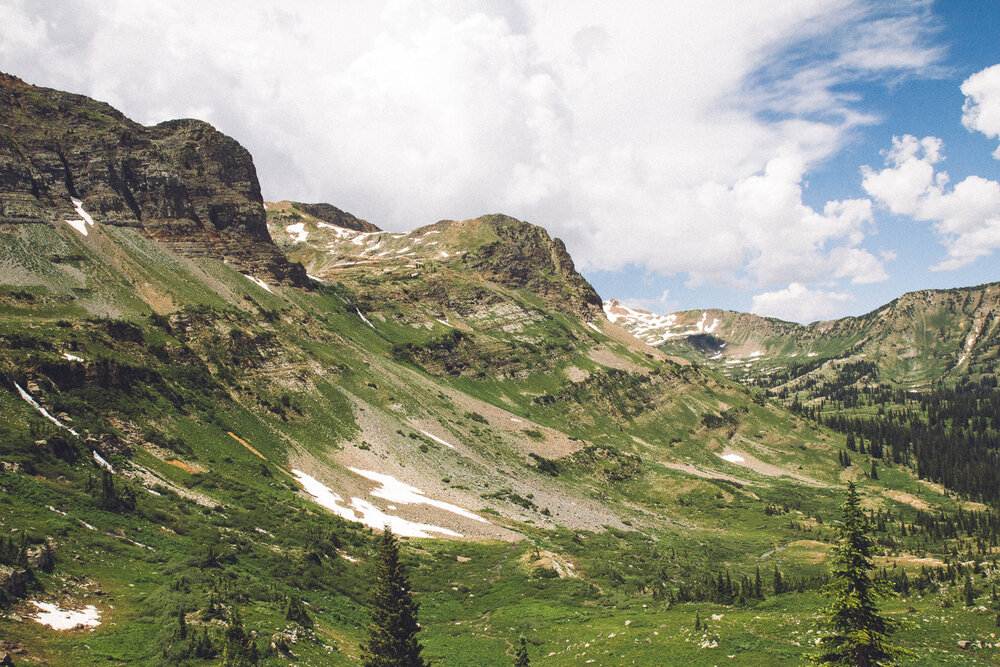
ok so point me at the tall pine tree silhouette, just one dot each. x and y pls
(392, 633)
(859, 632)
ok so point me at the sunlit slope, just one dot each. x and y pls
(914, 340)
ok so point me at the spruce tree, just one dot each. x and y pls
(392, 633)
(860, 633)
(521, 657)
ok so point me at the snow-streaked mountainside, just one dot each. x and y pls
(916, 339)
(657, 329)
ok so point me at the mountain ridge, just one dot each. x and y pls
(181, 182)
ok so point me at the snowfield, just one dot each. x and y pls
(63, 619)
(362, 511)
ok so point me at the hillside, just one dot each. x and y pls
(917, 339)
(193, 429)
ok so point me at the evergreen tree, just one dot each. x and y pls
(392, 633)
(295, 611)
(239, 648)
(860, 633)
(779, 582)
(969, 591)
(521, 657)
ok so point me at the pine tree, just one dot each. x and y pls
(295, 611)
(860, 633)
(239, 648)
(969, 591)
(392, 633)
(521, 657)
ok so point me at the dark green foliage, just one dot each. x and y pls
(295, 611)
(238, 647)
(111, 496)
(392, 633)
(859, 631)
(548, 466)
(521, 657)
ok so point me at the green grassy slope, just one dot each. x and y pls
(596, 464)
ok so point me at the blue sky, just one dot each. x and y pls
(785, 157)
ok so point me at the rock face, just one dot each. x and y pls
(181, 182)
(526, 257)
(333, 215)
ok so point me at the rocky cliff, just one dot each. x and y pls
(181, 182)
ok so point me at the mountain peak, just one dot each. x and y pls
(181, 182)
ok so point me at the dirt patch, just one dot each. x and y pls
(244, 443)
(967, 504)
(908, 498)
(186, 467)
(907, 560)
(576, 374)
(619, 334)
(605, 356)
(547, 560)
(809, 551)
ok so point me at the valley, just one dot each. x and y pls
(210, 406)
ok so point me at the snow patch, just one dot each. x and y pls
(298, 232)
(363, 318)
(813, 354)
(71, 357)
(437, 439)
(45, 413)
(316, 278)
(103, 463)
(732, 458)
(370, 515)
(594, 327)
(80, 225)
(66, 619)
(399, 492)
(258, 281)
(443, 322)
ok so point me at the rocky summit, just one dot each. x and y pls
(183, 183)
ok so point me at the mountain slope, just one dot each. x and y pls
(916, 339)
(196, 435)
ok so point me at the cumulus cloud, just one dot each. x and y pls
(966, 217)
(611, 128)
(981, 112)
(797, 303)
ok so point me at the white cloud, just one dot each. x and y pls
(665, 136)
(965, 217)
(797, 303)
(981, 112)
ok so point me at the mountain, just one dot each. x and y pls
(197, 439)
(915, 340)
(66, 158)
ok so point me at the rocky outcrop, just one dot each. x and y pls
(524, 256)
(182, 182)
(333, 215)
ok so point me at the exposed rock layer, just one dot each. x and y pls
(181, 182)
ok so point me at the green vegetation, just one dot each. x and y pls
(392, 633)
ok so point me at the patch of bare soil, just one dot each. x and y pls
(548, 560)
